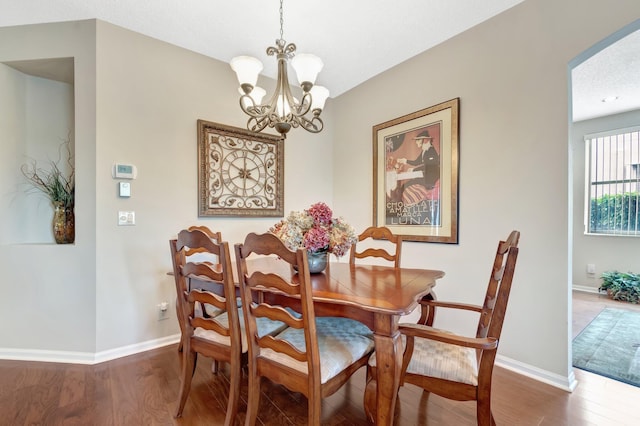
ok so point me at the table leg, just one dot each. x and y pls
(388, 365)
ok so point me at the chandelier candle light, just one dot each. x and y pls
(283, 110)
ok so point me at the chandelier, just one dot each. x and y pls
(282, 111)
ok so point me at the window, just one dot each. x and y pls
(613, 182)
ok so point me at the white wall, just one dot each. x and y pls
(606, 252)
(511, 75)
(47, 300)
(48, 124)
(38, 118)
(147, 112)
(12, 119)
(100, 295)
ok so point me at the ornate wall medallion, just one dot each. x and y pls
(240, 173)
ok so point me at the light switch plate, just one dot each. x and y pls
(126, 218)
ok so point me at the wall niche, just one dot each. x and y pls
(36, 118)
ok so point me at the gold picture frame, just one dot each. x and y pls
(415, 174)
(240, 173)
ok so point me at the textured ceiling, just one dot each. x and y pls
(614, 72)
(357, 39)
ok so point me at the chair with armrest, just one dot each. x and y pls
(458, 367)
(313, 356)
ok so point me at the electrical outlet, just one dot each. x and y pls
(163, 311)
(591, 268)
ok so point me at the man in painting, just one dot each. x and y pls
(427, 162)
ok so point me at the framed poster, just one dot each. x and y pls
(240, 173)
(415, 174)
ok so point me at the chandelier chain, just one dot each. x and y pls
(281, 21)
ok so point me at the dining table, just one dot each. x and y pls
(377, 296)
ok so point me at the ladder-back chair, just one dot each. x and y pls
(458, 367)
(217, 337)
(313, 356)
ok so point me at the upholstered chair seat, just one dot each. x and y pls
(266, 326)
(441, 360)
(341, 342)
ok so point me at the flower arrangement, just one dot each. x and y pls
(316, 230)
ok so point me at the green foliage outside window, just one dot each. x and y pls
(615, 214)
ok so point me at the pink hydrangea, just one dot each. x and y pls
(316, 239)
(316, 230)
(321, 213)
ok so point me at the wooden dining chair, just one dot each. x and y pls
(378, 233)
(427, 314)
(454, 366)
(199, 254)
(220, 336)
(217, 337)
(313, 356)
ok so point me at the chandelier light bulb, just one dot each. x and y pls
(319, 95)
(307, 67)
(282, 107)
(247, 69)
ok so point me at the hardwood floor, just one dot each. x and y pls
(586, 306)
(142, 390)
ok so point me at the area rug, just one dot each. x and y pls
(610, 346)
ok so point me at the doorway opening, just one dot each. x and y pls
(604, 96)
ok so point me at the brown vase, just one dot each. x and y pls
(64, 224)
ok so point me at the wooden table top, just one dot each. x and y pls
(382, 289)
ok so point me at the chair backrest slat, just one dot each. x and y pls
(278, 313)
(282, 346)
(378, 233)
(273, 281)
(204, 270)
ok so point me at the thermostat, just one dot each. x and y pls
(124, 171)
